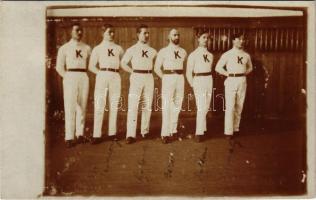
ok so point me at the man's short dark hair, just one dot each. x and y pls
(200, 31)
(139, 28)
(237, 35)
(106, 26)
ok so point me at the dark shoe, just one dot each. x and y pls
(70, 143)
(165, 139)
(96, 140)
(130, 140)
(113, 138)
(80, 140)
(198, 138)
(229, 137)
(177, 136)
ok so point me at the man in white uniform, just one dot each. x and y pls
(74, 55)
(200, 65)
(141, 56)
(238, 66)
(108, 82)
(171, 58)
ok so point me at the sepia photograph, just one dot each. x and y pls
(168, 98)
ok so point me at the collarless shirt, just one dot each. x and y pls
(107, 54)
(141, 56)
(172, 57)
(74, 55)
(235, 60)
(201, 60)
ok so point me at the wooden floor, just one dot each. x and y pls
(265, 159)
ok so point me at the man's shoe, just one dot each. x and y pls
(80, 139)
(236, 132)
(198, 138)
(70, 143)
(113, 138)
(130, 140)
(177, 136)
(229, 137)
(165, 139)
(96, 140)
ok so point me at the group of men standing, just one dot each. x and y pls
(140, 60)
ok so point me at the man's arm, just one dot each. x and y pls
(158, 64)
(125, 60)
(61, 61)
(93, 62)
(220, 66)
(121, 52)
(249, 66)
(190, 65)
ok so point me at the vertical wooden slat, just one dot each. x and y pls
(271, 39)
(286, 39)
(292, 39)
(282, 39)
(214, 39)
(228, 38)
(297, 40)
(266, 40)
(261, 39)
(276, 39)
(256, 39)
(219, 39)
(222, 39)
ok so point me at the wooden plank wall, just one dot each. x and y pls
(277, 47)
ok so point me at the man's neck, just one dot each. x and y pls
(108, 41)
(173, 44)
(237, 48)
(75, 40)
(202, 46)
(142, 42)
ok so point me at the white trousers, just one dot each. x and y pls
(76, 89)
(107, 83)
(141, 85)
(202, 86)
(235, 92)
(172, 93)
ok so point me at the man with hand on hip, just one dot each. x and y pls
(141, 57)
(238, 66)
(200, 66)
(74, 56)
(171, 58)
(108, 82)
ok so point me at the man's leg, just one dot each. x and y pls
(114, 94)
(240, 98)
(133, 101)
(147, 100)
(167, 90)
(82, 104)
(70, 98)
(176, 106)
(230, 96)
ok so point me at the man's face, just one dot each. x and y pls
(76, 32)
(203, 39)
(108, 34)
(174, 36)
(239, 42)
(143, 36)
